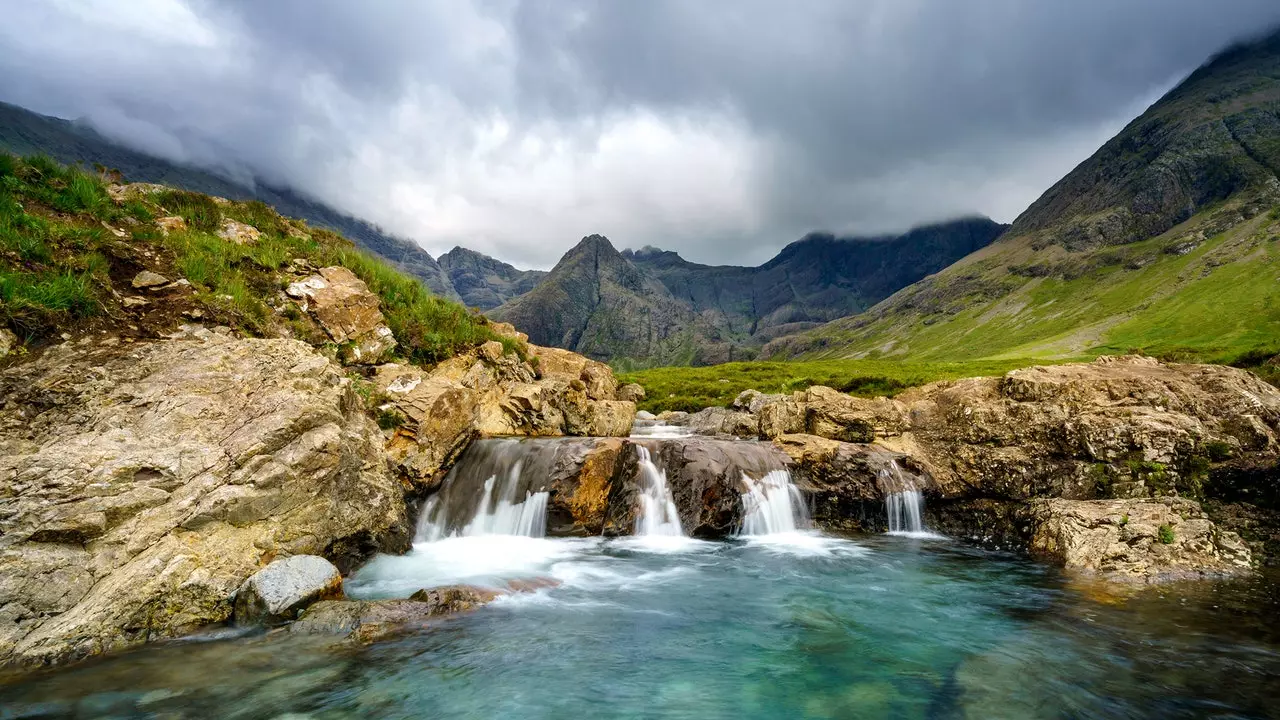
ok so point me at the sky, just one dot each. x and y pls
(722, 129)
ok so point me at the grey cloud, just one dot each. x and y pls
(722, 128)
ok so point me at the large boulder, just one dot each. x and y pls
(279, 591)
(144, 483)
(568, 366)
(631, 392)
(343, 305)
(723, 421)
(1140, 540)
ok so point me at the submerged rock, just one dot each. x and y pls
(279, 591)
(145, 483)
(371, 620)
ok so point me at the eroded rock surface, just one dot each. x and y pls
(1159, 539)
(342, 304)
(144, 483)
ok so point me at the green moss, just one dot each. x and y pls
(1218, 451)
(390, 419)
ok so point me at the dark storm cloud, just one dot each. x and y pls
(723, 129)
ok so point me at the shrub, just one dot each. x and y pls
(1165, 534)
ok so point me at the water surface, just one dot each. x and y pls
(784, 626)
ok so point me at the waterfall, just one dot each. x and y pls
(773, 504)
(903, 502)
(905, 509)
(658, 515)
(504, 503)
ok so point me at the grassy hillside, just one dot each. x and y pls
(1165, 241)
(691, 389)
(69, 252)
(23, 132)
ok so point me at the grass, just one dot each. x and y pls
(56, 261)
(694, 388)
(1175, 296)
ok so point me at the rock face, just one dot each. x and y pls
(1115, 428)
(342, 304)
(1140, 540)
(279, 591)
(494, 395)
(145, 483)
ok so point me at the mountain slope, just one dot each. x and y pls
(23, 132)
(652, 307)
(1165, 240)
(485, 282)
(598, 303)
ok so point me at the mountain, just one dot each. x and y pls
(652, 307)
(1166, 240)
(23, 132)
(485, 282)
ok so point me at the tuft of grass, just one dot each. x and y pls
(1165, 535)
(200, 211)
(34, 302)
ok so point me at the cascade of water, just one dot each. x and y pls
(773, 504)
(905, 504)
(658, 429)
(658, 515)
(506, 505)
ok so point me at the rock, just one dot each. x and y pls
(238, 232)
(645, 415)
(784, 416)
(439, 420)
(342, 304)
(371, 620)
(723, 421)
(145, 482)
(135, 301)
(284, 588)
(848, 482)
(1136, 540)
(170, 224)
(508, 330)
(610, 418)
(147, 280)
(753, 400)
(673, 417)
(631, 392)
(8, 342)
(554, 363)
(491, 351)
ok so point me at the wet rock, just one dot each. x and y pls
(147, 280)
(342, 304)
(144, 483)
(284, 588)
(371, 620)
(631, 392)
(1138, 540)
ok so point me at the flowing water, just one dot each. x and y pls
(780, 622)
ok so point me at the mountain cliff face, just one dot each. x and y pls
(23, 132)
(485, 282)
(652, 307)
(1165, 240)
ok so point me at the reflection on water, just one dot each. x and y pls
(796, 625)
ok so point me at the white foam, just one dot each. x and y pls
(806, 543)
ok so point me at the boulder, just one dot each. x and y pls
(238, 232)
(610, 418)
(723, 421)
(1135, 540)
(753, 400)
(371, 620)
(342, 304)
(144, 483)
(555, 363)
(436, 416)
(849, 481)
(631, 392)
(279, 591)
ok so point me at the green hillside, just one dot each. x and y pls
(1165, 241)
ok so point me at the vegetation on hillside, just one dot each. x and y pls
(68, 253)
(693, 388)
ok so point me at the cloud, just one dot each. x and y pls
(722, 129)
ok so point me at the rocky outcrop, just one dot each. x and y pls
(1137, 540)
(145, 483)
(848, 481)
(279, 591)
(487, 393)
(342, 304)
